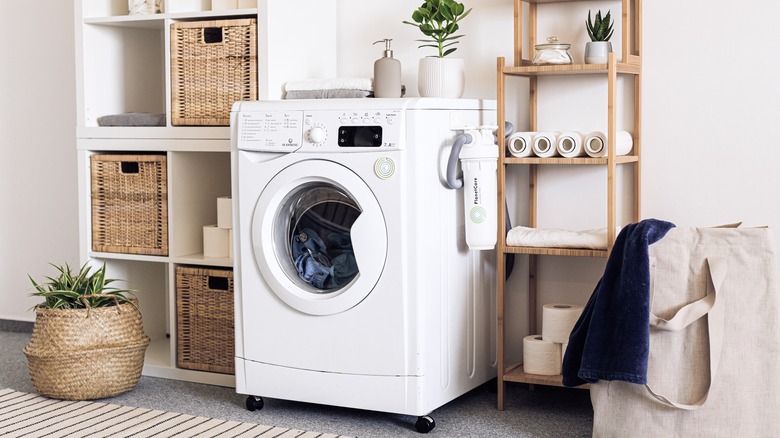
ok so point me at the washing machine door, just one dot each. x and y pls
(319, 237)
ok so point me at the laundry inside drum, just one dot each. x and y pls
(320, 242)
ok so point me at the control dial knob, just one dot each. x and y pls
(317, 134)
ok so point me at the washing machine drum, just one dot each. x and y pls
(319, 242)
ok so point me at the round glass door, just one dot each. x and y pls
(320, 242)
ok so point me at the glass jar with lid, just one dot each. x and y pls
(553, 52)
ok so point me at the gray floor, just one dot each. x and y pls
(543, 412)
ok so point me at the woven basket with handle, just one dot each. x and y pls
(84, 354)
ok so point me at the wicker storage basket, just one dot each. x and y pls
(129, 204)
(213, 65)
(84, 354)
(205, 330)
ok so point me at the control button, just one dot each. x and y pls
(390, 120)
(307, 121)
(317, 134)
(377, 120)
(355, 120)
(343, 120)
(366, 120)
(384, 167)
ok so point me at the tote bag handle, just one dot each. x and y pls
(713, 308)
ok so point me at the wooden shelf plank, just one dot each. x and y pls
(570, 252)
(560, 160)
(634, 68)
(516, 374)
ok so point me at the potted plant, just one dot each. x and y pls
(88, 340)
(600, 31)
(439, 76)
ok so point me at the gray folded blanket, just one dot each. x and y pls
(132, 119)
(327, 94)
(340, 93)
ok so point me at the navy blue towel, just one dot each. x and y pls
(611, 339)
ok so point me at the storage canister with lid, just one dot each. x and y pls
(553, 52)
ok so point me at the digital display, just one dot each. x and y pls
(360, 136)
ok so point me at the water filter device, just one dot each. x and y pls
(478, 154)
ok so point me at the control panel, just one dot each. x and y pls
(319, 130)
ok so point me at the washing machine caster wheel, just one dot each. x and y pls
(254, 403)
(425, 424)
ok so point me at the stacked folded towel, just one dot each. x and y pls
(329, 88)
(555, 238)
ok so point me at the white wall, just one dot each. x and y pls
(709, 98)
(38, 201)
(487, 30)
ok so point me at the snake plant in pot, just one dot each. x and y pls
(440, 75)
(88, 340)
(600, 31)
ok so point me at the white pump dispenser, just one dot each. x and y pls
(387, 73)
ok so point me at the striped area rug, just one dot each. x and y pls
(29, 415)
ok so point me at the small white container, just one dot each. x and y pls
(222, 5)
(216, 242)
(225, 212)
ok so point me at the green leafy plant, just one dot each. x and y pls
(438, 20)
(83, 289)
(600, 29)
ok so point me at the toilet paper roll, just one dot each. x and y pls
(563, 352)
(558, 320)
(596, 144)
(544, 144)
(571, 144)
(540, 356)
(520, 144)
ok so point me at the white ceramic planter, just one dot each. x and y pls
(597, 52)
(441, 77)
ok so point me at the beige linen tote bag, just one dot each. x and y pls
(714, 342)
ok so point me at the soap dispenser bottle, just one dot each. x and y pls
(387, 73)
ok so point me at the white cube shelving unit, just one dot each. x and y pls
(123, 65)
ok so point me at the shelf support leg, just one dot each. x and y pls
(612, 144)
(501, 238)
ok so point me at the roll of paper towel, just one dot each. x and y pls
(520, 144)
(596, 144)
(540, 356)
(558, 320)
(545, 144)
(571, 144)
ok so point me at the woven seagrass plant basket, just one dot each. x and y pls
(84, 354)
(88, 341)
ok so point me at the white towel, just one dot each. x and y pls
(555, 238)
(366, 84)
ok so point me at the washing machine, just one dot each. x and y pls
(354, 284)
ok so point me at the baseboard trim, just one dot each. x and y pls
(7, 325)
